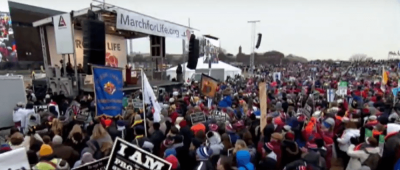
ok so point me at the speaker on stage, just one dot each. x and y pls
(94, 43)
(194, 52)
(157, 46)
(259, 40)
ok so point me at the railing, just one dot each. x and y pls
(21, 65)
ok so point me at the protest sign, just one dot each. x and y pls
(197, 117)
(219, 116)
(308, 110)
(125, 155)
(18, 160)
(137, 103)
(96, 165)
(38, 107)
(208, 86)
(305, 112)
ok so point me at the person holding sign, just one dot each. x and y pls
(203, 154)
(48, 161)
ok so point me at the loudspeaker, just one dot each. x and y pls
(259, 40)
(194, 52)
(157, 46)
(94, 43)
(93, 57)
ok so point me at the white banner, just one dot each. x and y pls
(150, 98)
(131, 21)
(63, 34)
(330, 94)
(18, 160)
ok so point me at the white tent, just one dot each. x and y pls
(229, 69)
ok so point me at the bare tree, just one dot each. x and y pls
(369, 59)
(356, 58)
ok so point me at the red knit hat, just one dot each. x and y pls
(173, 160)
(289, 136)
(183, 123)
(312, 145)
(213, 127)
(106, 122)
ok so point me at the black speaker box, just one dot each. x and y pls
(94, 43)
(194, 52)
(158, 50)
(259, 40)
(96, 57)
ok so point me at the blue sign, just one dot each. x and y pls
(108, 83)
(398, 65)
(395, 91)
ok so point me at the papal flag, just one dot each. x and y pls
(385, 78)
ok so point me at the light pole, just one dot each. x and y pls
(253, 36)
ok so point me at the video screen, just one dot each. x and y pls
(8, 49)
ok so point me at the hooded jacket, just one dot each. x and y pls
(243, 158)
(358, 157)
(290, 152)
(215, 143)
(391, 142)
(226, 102)
(311, 159)
(344, 140)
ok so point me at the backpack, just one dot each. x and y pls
(372, 160)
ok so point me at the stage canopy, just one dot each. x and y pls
(228, 69)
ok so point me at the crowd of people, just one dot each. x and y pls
(305, 129)
(7, 42)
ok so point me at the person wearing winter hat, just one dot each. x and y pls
(275, 141)
(4, 148)
(47, 160)
(169, 151)
(372, 121)
(203, 154)
(195, 143)
(63, 165)
(64, 152)
(390, 147)
(198, 127)
(243, 160)
(360, 158)
(76, 138)
(269, 158)
(174, 161)
(351, 131)
(232, 133)
(227, 100)
(290, 149)
(86, 157)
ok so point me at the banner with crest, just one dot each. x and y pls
(108, 84)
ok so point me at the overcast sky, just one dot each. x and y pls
(315, 29)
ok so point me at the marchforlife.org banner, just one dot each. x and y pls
(108, 85)
(131, 21)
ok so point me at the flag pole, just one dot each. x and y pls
(144, 109)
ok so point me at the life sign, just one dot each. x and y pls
(127, 156)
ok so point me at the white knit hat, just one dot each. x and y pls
(63, 165)
(316, 114)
